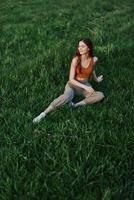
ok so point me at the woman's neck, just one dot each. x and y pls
(85, 57)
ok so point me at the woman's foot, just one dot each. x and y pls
(39, 117)
(75, 105)
(71, 104)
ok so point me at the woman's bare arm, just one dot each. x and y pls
(95, 78)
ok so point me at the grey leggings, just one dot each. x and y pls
(71, 90)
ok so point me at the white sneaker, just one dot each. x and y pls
(39, 117)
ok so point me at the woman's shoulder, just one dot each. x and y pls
(75, 60)
(95, 59)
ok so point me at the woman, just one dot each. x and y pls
(82, 68)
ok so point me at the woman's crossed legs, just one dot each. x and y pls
(67, 97)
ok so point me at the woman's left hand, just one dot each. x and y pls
(100, 78)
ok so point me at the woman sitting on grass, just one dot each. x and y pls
(82, 68)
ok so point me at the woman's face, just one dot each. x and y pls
(83, 48)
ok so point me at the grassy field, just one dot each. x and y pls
(74, 154)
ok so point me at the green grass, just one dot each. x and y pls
(73, 154)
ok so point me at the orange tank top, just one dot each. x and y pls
(82, 72)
